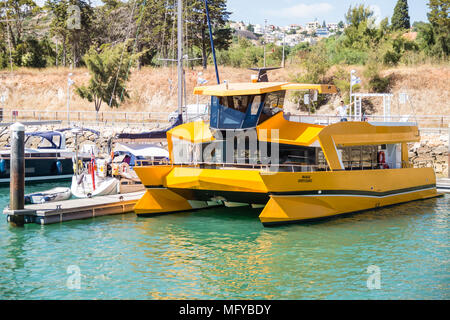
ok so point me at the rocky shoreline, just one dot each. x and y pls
(432, 150)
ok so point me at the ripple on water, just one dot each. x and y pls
(226, 253)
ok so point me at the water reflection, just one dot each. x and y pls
(226, 253)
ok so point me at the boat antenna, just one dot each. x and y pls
(212, 41)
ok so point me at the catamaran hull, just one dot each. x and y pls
(287, 197)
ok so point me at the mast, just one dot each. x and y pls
(180, 56)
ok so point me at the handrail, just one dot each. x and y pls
(291, 167)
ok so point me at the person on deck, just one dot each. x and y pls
(342, 111)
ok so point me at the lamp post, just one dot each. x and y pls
(69, 83)
(284, 42)
(352, 82)
(265, 30)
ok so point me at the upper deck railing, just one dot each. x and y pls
(425, 122)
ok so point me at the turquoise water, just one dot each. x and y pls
(226, 253)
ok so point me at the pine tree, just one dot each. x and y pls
(440, 23)
(109, 71)
(400, 19)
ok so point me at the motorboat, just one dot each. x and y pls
(250, 153)
(55, 194)
(115, 175)
(46, 158)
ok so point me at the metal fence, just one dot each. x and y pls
(85, 117)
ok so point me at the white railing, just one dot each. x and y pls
(349, 166)
(425, 122)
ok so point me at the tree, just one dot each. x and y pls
(400, 19)
(198, 26)
(109, 73)
(440, 22)
(359, 34)
(15, 11)
(74, 33)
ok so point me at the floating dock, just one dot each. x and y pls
(76, 209)
(443, 185)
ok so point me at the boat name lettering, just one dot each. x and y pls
(305, 179)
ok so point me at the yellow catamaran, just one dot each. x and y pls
(249, 153)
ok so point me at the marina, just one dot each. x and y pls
(328, 178)
(225, 253)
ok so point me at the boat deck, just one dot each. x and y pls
(76, 209)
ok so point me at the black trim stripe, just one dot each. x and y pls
(353, 192)
(262, 198)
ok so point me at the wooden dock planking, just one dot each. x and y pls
(76, 209)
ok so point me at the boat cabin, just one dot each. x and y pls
(247, 128)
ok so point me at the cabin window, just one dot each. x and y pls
(255, 105)
(238, 103)
(359, 157)
(233, 112)
(272, 105)
(274, 102)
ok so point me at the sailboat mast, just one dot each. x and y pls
(180, 56)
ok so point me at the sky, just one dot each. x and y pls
(286, 12)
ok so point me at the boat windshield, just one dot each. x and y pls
(47, 140)
(246, 111)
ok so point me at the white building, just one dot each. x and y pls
(312, 26)
(332, 26)
(258, 29)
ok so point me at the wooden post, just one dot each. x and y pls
(17, 172)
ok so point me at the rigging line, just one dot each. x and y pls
(121, 55)
(134, 46)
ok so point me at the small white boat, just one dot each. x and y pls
(55, 194)
(82, 186)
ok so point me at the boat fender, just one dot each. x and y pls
(381, 157)
(80, 179)
(59, 167)
(89, 195)
(2, 166)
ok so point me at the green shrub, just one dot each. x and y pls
(391, 58)
(379, 84)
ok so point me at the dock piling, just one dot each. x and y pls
(17, 167)
(17, 214)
